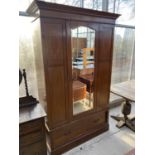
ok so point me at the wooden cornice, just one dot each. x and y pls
(41, 5)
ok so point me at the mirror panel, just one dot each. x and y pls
(83, 59)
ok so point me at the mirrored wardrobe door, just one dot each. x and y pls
(83, 59)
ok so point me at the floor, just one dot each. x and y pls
(84, 105)
(113, 142)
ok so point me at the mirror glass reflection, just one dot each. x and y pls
(83, 55)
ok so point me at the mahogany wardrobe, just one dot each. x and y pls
(73, 56)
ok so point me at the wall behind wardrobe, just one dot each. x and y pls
(26, 56)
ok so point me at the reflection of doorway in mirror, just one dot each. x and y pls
(83, 55)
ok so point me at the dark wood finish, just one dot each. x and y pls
(75, 129)
(71, 13)
(102, 90)
(78, 132)
(80, 139)
(32, 139)
(55, 70)
(53, 54)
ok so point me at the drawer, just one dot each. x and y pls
(76, 129)
(38, 148)
(31, 138)
(31, 126)
(95, 121)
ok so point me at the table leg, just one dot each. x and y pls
(90, 90)
(89, 99)
(125, 120)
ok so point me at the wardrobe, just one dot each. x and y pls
(74, 95)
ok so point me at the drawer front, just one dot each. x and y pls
(28, 127)
(77, 129)
(34, 149)
(31, 138)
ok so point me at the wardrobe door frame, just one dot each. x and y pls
(55, 117)
(71, 25)
(104, 68)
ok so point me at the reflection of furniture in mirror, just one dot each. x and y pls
(54, 63)
(78, 44)
(88, 60)
(88, 79)
(77, 71)
(85, 61)
(79, 91)
(79, 95)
